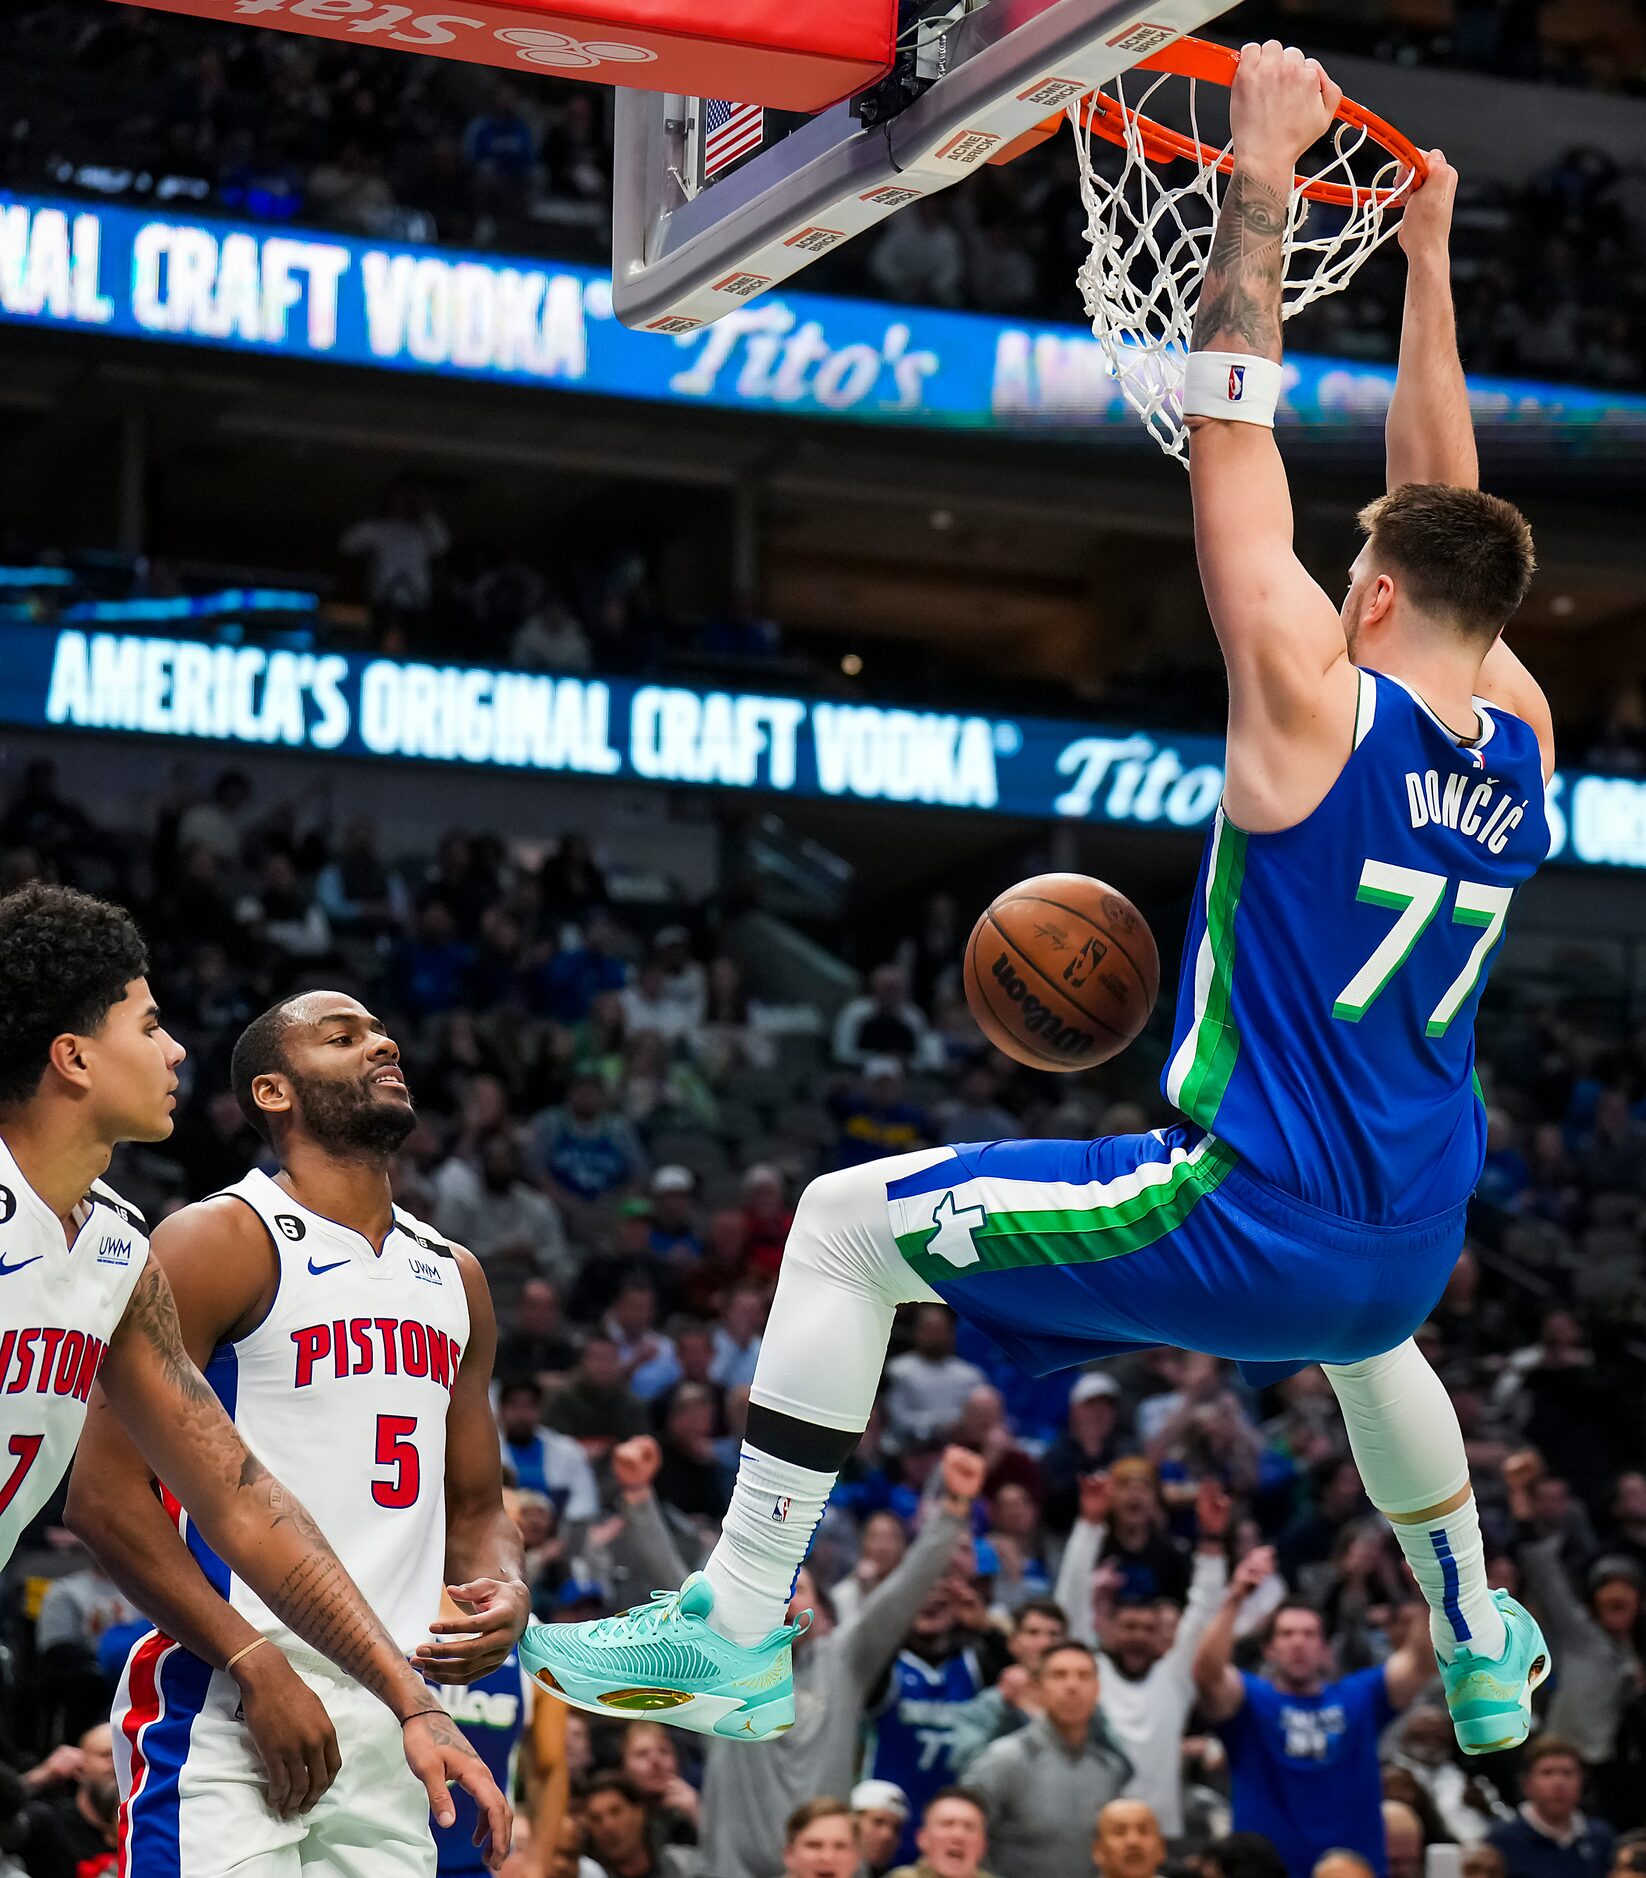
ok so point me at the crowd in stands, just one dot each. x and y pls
(1131, 1619)
(403, 583)
(1598, 45)
(271, 126)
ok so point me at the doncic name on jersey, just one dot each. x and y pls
(1466, 805)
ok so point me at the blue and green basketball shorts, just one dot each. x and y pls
(1062, 1251)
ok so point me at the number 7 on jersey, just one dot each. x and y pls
(1415, 897)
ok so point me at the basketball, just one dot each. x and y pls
(1061, 972)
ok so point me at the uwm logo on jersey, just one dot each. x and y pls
(374, 1346)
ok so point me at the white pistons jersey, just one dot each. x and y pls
(59, 1306)
(342, 1393)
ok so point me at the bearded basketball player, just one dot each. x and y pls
(86, 1315)
(353, 1347)
(1384, 800)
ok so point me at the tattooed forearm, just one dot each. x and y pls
(315, 1595)
(151, 1314)
(1240, 297)
(321, 1603)
(256, 1524)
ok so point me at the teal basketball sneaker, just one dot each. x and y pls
(1490, 1698)
(662, 1660)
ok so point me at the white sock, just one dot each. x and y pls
(839, 1287)
(1449, 1564)
(768, 1527)
(1404, 1435)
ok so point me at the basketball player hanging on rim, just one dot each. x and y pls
(86, 1316)
(353, 1347)
(1385, 798)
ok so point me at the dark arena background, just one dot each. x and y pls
(638, 721)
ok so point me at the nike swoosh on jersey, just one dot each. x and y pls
(18, 1264)
(318, 1269)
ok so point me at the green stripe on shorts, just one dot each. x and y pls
(1014, 1241)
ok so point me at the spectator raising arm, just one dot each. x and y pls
(1207, 1587)
(873, 1639)
(1597, 1677)
(1077, 1587)
(1217, 1681)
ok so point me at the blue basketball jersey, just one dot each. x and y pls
(1303, 1768)
(492, 1716)
(911, 1741)
(1331, 973)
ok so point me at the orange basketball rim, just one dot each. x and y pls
(1204, 60)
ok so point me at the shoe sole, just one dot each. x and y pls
(1469, 1733)
(726, 1717)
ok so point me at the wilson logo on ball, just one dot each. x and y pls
(1038, 1019)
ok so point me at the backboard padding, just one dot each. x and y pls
(678, 264)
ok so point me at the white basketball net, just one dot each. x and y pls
(1149, 242)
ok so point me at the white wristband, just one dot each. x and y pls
(1237, 385)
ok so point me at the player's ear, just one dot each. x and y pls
(272, 1094)
(1379, 602)
(67, 1056)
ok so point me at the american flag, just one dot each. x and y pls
(729, 132)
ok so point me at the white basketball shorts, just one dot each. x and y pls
(192, 1786)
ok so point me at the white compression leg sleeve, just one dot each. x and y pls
(841, 1282)
(1407, 1444)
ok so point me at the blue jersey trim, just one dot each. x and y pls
(222, 1373)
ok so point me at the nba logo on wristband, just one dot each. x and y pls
(780, 1508)
(1237, 383)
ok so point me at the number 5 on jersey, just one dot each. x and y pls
(396, 1449)
(1416, 896)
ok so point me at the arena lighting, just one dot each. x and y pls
(28, 578)
(673, 734)
(231, 603)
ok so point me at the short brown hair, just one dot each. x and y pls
(611, 1780)
(1070, 1646)
(1548, 1747)
(1282, 1609)
(970, 1797)
(1461, 553)
(825, 1806)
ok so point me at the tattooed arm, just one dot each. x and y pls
(1291, 688)
(222, 1274)
(268, 1538)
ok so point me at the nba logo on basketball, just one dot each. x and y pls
(780, 1508)
(1237, 383)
